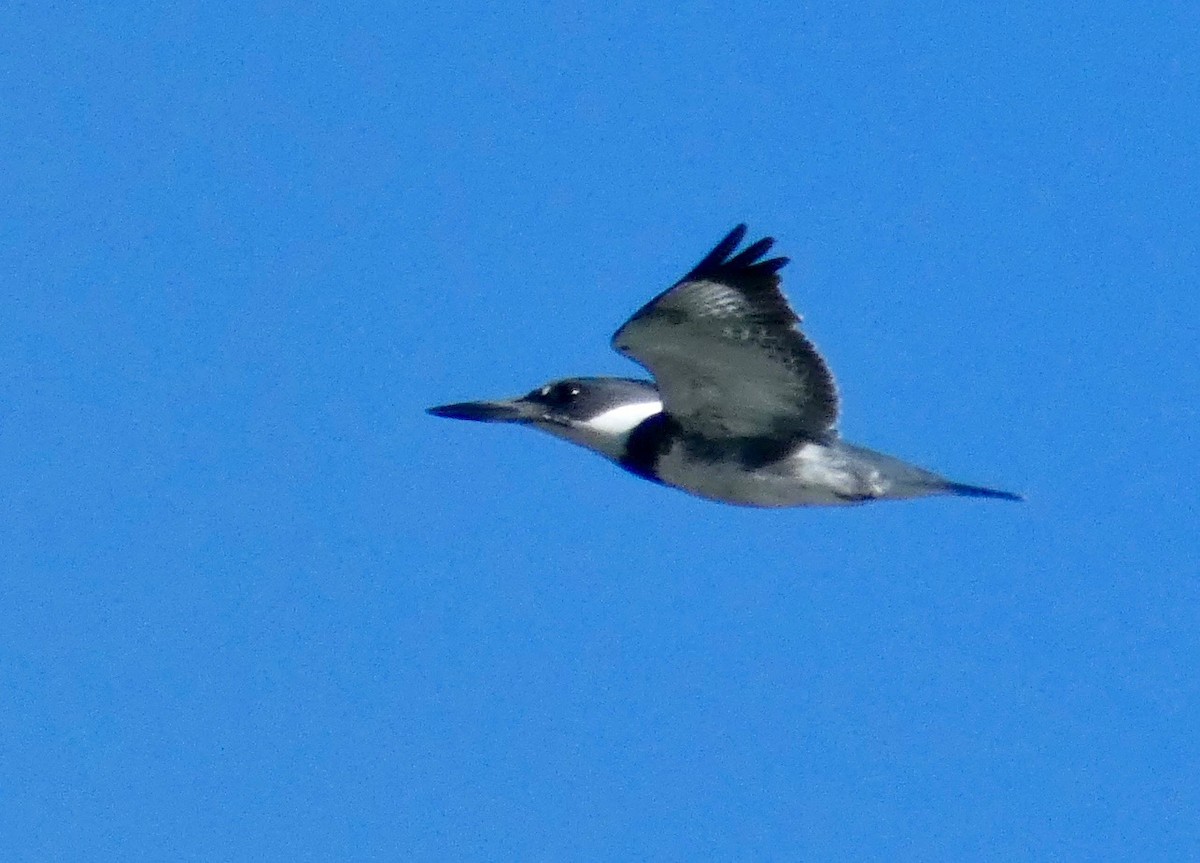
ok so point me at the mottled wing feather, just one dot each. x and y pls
(724, 348)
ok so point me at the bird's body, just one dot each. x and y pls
(809, 474)
(743, 408)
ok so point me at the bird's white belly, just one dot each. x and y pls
(812, 475)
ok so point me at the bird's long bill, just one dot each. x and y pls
(484, 412)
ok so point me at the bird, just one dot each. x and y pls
(742, 408)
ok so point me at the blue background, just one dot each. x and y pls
(255, 604)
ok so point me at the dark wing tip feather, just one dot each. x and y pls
(751, 253)
(720, 252)
(718, 264)
(732, 240)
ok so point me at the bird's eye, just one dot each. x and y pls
(559, 393)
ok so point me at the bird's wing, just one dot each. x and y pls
(727, 355)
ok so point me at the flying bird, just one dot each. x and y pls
(742, 410)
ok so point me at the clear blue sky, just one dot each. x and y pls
(256, 605)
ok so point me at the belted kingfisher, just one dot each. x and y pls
(742, 409)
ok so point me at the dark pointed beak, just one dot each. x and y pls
(486, 412)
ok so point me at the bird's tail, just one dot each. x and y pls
(979, 491)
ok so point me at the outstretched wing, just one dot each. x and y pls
(724, 348)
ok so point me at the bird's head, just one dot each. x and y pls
(597, 413)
